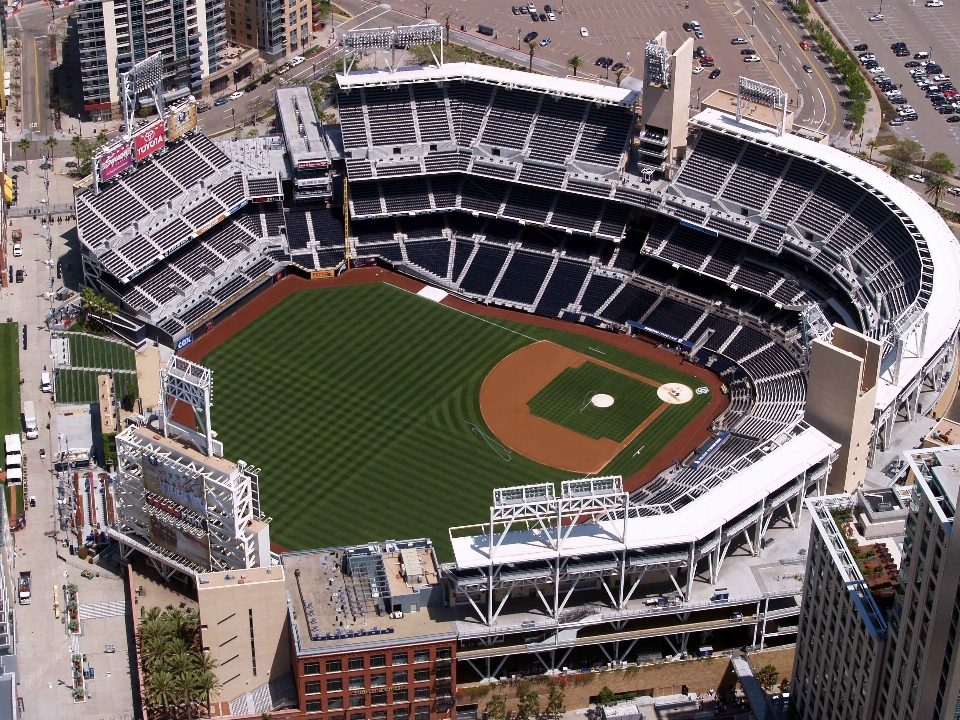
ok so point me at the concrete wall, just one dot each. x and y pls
(669, 108)
(242, 613)
(840, 401)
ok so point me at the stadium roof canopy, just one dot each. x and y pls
(691, 523)
(924, 223)
(564, 87)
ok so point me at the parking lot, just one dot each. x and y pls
(932, 29)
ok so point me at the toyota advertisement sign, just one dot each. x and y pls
(115, 161)
(149, 140)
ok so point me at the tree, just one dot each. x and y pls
(940, 163)
(898, 170)
(575, 63)
(446, 22)
(529, 705)
(873, 145)
(937, 185)
(51, 142)
(906, 151)
(160, 689)
(619, 75)
(496, 708)
(101, 138)
(801, 8)
(533, 46)
(76, 143)
(24, 145)
(856, 113)
(555, 703)
(606, 697)
(768, 675)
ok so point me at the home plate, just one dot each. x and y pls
(675, 393)
(602, 400)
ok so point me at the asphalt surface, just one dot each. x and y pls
(935, 30)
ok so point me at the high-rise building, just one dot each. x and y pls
(874, 640)
(115, 34)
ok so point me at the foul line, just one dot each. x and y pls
(498, 447)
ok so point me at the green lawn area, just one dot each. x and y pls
(91, 352)
(9, 379)
(80, 386)
(566, 401)
(361, 406)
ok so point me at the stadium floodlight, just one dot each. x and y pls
(656, 65)
(144, 75)
(372, 39)
(592, 487)
(522, 494)
(407, 36)
(758, 93)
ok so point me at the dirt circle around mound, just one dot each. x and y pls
(675, 393)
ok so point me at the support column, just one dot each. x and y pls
(691, 570)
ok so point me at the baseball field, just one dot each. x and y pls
(362, 405)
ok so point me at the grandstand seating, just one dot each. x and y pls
(483, 270)
(523, 277)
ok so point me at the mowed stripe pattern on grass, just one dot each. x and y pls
(10, 379)
(361, 406)
(566, 401)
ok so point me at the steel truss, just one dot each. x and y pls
(184, 381)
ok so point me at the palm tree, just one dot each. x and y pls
(76, 143)
(185, 692)
(898, 170)
(24, 145)
(619, 75)
(575, 63)
(51, 142)
(154, 650)
(101, 138)
(936, 186)
(873, 145)
(206, 684)
(161, 690)
(533, 46)
(446, 20)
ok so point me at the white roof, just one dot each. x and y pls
(14, 474)
(14, 459)
(494, 75)
(12, 443)
(944, 303)
(692, 522)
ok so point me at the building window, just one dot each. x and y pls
(293, 17)
(400, 696)
(311, 688)
(311, 669)
(335, 703)
(358, 716)
(378, 698)
(334, 717)
(334, 666)
(355, 663)
(358, 701)
(335, 685)
(421, 674)
(303, 12)
(378, 661)
(422, 693)
(314, 706)
(422, 712)
(401, 714)
(421, 656)
(400, 677)
(356, 682)
(443, 653)
(400, 658)
(378, 715)
(443, 672)
(378, 680)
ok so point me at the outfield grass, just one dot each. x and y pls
(9, 379)
(80, 386)
(361, 406)
(566, 401)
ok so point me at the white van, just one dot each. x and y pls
(45, 382)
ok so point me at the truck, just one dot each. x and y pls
(24, 587)
(30, 420)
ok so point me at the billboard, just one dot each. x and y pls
(163, 478)
(149, 140)
(181, 121)
(115, 161)
(167, 535)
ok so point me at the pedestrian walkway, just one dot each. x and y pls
(102, 610)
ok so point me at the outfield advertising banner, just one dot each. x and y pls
(177, 540)
(115, 161)
(149, 140)
(182, 121)
(162, 478)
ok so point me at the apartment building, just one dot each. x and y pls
(115, 34)
(886, 650)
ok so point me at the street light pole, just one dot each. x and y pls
(753, 18)
(779, 50)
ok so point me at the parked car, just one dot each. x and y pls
(530, 36)
(515, 10)
(804, 45)
(737, 40)
(698, 34)
(689, 28)
(953, 190)
(715, 74)
(917, 178)
(237, 95)
(546, 41)
(221, 101)
(751, 58)
(297, 60)
(697, 70)
(934, 3)
(584, 32)
(860, 47)
(807, 68)
(748, 51)
(707, 62)
(896, 122)
(700, 51)
(600, 61)
(551, 17)
(17, 249)
(878, 17)
(911, 64)
(617, 66)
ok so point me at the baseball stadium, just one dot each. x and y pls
(615, 320)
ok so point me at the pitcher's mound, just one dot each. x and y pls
(675, 393)
(602, 400)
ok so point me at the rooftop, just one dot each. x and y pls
(181, 451)
(353, 596)
(302, 130)
(493, 75)
(232, 578)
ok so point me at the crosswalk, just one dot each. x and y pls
(102, 610)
